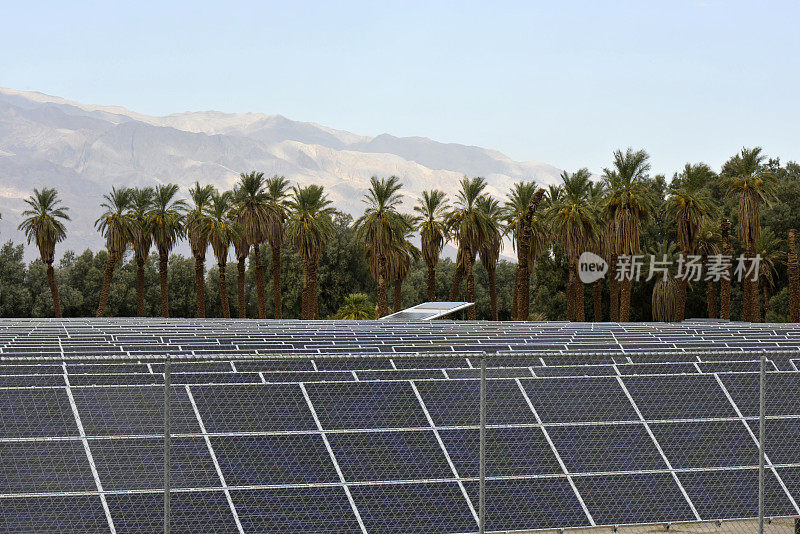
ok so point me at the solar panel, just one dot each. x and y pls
(427, 311)
(312, 444)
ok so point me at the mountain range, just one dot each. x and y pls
(83, 150)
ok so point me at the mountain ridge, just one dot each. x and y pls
(84, 149)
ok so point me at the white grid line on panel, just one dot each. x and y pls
(214, 459)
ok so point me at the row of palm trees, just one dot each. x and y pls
(578, 215)
(255, 212)
(606, 217)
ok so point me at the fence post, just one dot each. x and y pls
(166, 445)
(482, 439)
(762, 387)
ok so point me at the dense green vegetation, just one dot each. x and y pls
(324, 256)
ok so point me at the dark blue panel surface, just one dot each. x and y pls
(407, 455)
(133, 410)
(575, 370)
(599, 448)
(36, 412)
(402, 374)
(366, 405)
(562, 400)
(525, 504)
(734, 493)
(783, 439)
(679, 397)
(353, 364)
(195, 512)
(509, 452)
(434, 508)
(457, 402)
(633, 498)
(78, 514)
(706, 444)
(253, 408)
(783, 397)
(281, 459)
(295, 511)
(42, 467)
(138, 463)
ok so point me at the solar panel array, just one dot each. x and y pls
(390, 444)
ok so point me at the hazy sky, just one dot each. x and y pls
(559, 82)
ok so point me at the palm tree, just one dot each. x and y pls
(220, 228)
(688, 203)
(573, 218)
(750, 179)
(141, 203)
(277, 195)
(432, 208)
(794, 279)
(168, 225)
(768, 247)
(116, 226)
(198, 240)
(630, 201)
(665, 291)
(528, 237)
(254, 218)
(43, 223)
(725, 281)
(402, 253)
(471, 227)
(707, 244)
(241, 248)
(379, 228)
(309, 225)
(356, 307)
(489, 251)
(599, 245)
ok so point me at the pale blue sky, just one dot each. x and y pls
(559, 82)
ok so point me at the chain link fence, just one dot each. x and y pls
(454, 443)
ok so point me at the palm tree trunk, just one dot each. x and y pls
(613, 288)
(162, 274)
(431, 283)
(514, 301)
(457, 277)
(140, 288)
(578, 292)
(725, 299)
(383, 290)
(260, 291)
(51, 280)
(571, 295)
(312, 293)
(107, 274)
(398, 295)
(304, 306)
(625, 301)
(515, 293)
(470, 288)
(524, 297)
(751, 287)
(493, 293)
(277, 291)
(200, 285)
(711, 300)
(597, 300)
(223, 292)
(794, 280)
(240, 279)
(681, 311)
